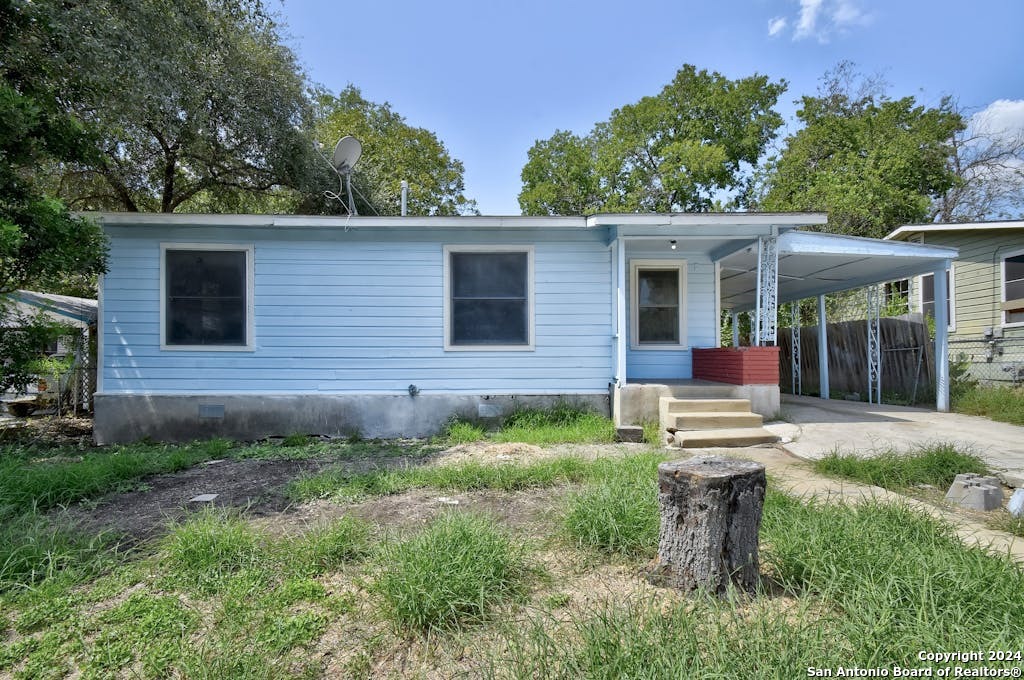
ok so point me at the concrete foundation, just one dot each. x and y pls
(635, 403)
(123, 418)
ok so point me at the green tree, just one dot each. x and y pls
(187, 101)
(393, 151)
(685, 149)
(870, 162)
(41, 244)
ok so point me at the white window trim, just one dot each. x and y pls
(1002, 290)
(250, 344)
(634, 307)
(952, 295)
(530, 325)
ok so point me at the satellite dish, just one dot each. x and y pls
(346, 154)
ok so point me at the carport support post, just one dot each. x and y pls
(941, 340)
(823, 388)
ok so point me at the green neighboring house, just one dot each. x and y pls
(986, 301)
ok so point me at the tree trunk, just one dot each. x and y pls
(710, 519)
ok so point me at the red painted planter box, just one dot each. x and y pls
(737, 365)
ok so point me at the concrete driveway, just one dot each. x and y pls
(813, 427)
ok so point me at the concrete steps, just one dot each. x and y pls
(705, 439)
(706, 423)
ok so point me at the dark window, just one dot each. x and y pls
(206, 302)
(658, 306)
(489, 299)
(928, 296)
(1013, 288)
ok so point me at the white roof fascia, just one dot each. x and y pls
(900, 233)
(332, 222)
(833, 244)
(708, 219)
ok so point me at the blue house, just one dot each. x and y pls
(252, 325)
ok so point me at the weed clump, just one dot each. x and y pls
(454, 573)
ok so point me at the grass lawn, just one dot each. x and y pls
(1005, 404)
(536, 573)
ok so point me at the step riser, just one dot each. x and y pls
(709, 405)
(717, 421)
(699, 442)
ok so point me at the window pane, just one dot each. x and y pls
(489, 275)
(928, 288)
(206, 297)
(1014, 290)
(195, 321)
(659, 325)
(489, 322)
(206, 273)
(1015, 316)
(1015, 267)
(659, 288)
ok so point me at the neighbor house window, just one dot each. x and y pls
(206, 297)
(928, 296)
(488, 297)
(1013, 288)
(658, 310)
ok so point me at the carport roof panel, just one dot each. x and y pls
(814, 264)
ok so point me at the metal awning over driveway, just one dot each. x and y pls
(812, 264)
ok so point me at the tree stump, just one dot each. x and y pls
(710, 519)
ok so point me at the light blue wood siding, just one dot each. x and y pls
(700, 315)
(359, 312)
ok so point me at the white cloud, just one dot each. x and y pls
(777, 25)
(1002, 118)
(820, 19)
(807, 24)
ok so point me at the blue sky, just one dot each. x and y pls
(490, 77)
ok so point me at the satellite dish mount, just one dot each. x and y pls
(346, 154)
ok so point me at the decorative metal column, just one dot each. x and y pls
(874, 294)
(767, 290)
(794, 346)
(735, 329)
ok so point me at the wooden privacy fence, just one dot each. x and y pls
(908, 358)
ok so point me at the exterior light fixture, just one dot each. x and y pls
(672, 244)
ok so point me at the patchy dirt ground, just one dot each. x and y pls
(257, 487)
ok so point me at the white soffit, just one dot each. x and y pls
(813, 264)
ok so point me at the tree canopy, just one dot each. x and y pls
(41, 243)
(180, 98)
(684, 149)
(393, 151)
(870, 162)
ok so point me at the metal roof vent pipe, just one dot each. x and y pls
(405, 198)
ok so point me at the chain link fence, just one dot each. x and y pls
(993, 361)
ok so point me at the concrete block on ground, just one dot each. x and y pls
(629, 433)
(976, 492)
(203, 498)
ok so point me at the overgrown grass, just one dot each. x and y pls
(1005, 404)
(212, 549)
(454, 573)
(617, 512)
(934, 464)
(467, 476)
(34, 548)
(562, 423)
(31, 479)
(868, 586)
